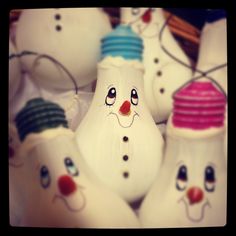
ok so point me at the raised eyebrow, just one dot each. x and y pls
(110, 86)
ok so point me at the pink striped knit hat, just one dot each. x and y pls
(199, 105)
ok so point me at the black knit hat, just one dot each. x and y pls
(39, 115)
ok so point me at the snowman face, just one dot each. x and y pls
(143, 21)
(196, 189)
(199, 181)
(56, 176)
(120, 97)
(64, 34)
(14, 72)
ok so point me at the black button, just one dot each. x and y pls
(58, 28)
(125, 138)
(126, 174)
(159, 73)
(162, 90)
(57, 16)
(125, 158)
(156, 60)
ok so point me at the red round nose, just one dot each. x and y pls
(146, 17)
(125, 108)
(66, 185)
(195, 195)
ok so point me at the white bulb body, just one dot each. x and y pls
(64, 34)
(167, 206)
(163, 75)
(89, 205)
(121, 149)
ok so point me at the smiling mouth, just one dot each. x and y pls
(60, 197)
(135, 114)
(187, 210)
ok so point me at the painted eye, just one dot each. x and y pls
(70, 166)
(182, 178)
(44, 177)
(111, 97)
(209, 182)
(135, 10)
(134, 97)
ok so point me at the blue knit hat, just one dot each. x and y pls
(123, 42)
(39, 115)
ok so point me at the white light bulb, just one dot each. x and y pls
(191, 189)
(118, 137)
(162, 75)
(59, 193)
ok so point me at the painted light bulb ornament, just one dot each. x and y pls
(190, 190)
(61, 54)
(162, 75)
(118, 137)
(59, 191)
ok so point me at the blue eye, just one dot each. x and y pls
(209, 182)
(111, 97)
(134, 97)
(182, 178)
(70, 166)
(44, 177)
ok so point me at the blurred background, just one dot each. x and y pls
(186, 25)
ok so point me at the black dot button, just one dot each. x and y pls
(58, 28)
(156, 60)
(57, 16)
(159, 73)
(126, 174)
(125, 158)
(162, 90)
(125, 139)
